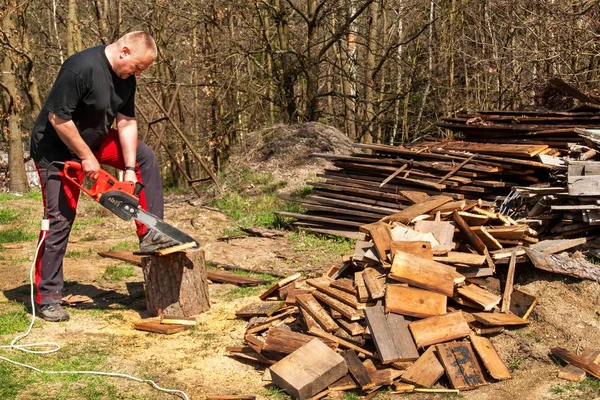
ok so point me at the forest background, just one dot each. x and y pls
(381, 71)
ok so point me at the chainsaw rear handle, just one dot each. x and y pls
(104, 183)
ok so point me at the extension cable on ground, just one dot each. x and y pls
(50, 347)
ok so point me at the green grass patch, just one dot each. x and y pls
(240, 292)
(15, 320)
(320, 248)
(79, 253)
(89, 238)
(81, 223)
(16, 235)
(276, 393)
(115, 273)
(126, 245)
(34, 194)
(8, 216)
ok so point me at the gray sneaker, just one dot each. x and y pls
(154, 241)
(53, 312)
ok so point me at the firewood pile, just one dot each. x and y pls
(410, 308)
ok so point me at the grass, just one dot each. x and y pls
(321, 248)
(589, 388)
(15, 320)
(8, 216)
(16, 235)
(79, 253)
(34, 194)
(116, 273)
(516, 363)
(276, 393)
(126, 245)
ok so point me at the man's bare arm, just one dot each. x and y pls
(128, 137)
(68, 133)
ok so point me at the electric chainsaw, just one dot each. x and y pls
(121, 198)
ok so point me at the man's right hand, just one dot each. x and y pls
(90, 167)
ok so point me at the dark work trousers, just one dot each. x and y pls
(60, 198)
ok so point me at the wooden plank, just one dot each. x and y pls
(583, 185)
(156, 327)
(481, 297)
(357, 370)
(459, 166)
(414, 302)
(344, 284)
(259, 309)
(522, 303)
(312, 306)
(363, 294)
(439, 329)
(393, 175)
(381, 236)
(340, 295)
(578, 361)
(508, 286)
(418, 248)
(499, 319)
(426, 371)
(353, 328)
(490, 358)
(375, 287)
(490, 241)
(460, 364)
(279, 285)
(466, 230)
(390, 334)
(575, 374)
(283, 341)
(456, 257)
(308, 370)
(408, 214)
(343, 343)
(345, 310)
(426, 274)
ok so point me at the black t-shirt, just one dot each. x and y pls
(88, 92)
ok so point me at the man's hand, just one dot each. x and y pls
(130, 176)
(90, 166)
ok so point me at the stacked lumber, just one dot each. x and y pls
(402, 312)
(554, 128)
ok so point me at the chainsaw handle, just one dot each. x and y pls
(104, 183)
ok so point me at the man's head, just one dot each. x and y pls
(131, 54)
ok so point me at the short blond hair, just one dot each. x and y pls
(139, 41)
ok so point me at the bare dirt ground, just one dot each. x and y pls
(195, 361)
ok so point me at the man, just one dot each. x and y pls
(94, 88)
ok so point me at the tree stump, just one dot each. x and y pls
(176, 284)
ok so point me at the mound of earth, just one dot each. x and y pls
(285, 151)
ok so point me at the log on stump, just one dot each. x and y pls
(176, 284)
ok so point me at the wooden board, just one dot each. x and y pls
(390, 334)
(408, 214)
(259, 309)
(418, 248)
(499, 319)
(357, 370)
(425, 371)
(578, 361)
(156, 327)
(308, 370)
(381, 236)
(439, 329)
(460, 364)
(353, 328)
(443, 231)
(345, 310)
(283, 341)
(575, 374)
(510, 278)
(455, 257)
(490, 358)
(343, 343)
(279, 285)
(362, 292)
(375, 286)
(522, 303)
(414, 302)
(323, 286)
(423, 273)
(475, 294)
(312, 306)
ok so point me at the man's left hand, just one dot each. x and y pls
(130, 176)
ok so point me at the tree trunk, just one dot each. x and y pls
(73, 35)
(12, 105)
(176, 284)
(369, 122)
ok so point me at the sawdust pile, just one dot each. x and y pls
(284, 151)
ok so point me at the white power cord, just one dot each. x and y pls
(53, 347)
